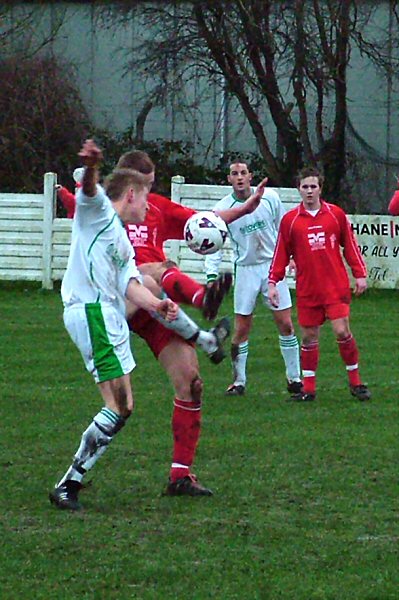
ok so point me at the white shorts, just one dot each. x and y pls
(252, 280)
(102, 335)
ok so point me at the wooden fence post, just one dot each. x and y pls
(50, 180)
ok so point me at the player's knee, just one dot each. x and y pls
(308, 340)
(169, 264)
(286, 328)
(342, 334)
(196, 388)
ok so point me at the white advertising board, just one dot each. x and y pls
(378, 240)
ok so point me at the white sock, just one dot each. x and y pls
(189, 330)
(94, 442)
(182, 325)
(239, 355)
(206, 340)
(289, 348)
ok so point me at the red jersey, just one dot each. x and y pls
(393, 207)
(315, 245)
(68, 201)
(164, 220)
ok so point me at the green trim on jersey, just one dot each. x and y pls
(240, 200)
(100, 233)
(90, 249)
(105, 360)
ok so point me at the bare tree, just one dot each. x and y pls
(42, 117)
(288, 59)
(27, 28)
(42, 122)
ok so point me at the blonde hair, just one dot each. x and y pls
(120, 180)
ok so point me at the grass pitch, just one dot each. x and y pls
(306, 496)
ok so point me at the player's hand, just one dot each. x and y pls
(90, 154)
(292, 267)
(360, 286)
(254, 199)
(273, 295)
(168, 309)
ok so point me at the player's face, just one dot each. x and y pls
(150, 178)
(240, 178)
(138, 205)
(310, 190)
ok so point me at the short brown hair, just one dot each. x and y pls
(120, 180)
(137, 160)
(239, 161)
(309, 172)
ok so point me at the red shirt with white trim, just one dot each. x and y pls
(164, 220)
(315, 242)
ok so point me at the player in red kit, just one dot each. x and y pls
(165, 220)
(313, 234)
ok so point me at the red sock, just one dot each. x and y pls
(186, 427)
(182, 288)
(309, 362)
(350, 355)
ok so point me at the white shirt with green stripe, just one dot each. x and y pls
(101, 259)
(253, 236)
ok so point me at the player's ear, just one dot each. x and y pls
(130, 195)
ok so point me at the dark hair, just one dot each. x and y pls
(121, 179)
(240, 161)
(137, 160)
(309, 172)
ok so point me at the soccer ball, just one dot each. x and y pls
(205, 232)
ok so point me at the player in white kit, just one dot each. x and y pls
(101, 275)
(253, 240)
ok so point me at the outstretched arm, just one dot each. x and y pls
(141, 297)
(231, 214)
(91, 157)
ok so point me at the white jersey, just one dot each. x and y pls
(101, 259)
(253, 236)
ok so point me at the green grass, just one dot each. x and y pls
(306, 496)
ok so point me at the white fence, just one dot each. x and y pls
(34, 244)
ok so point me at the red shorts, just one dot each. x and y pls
(154, 333)
(313, 316)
